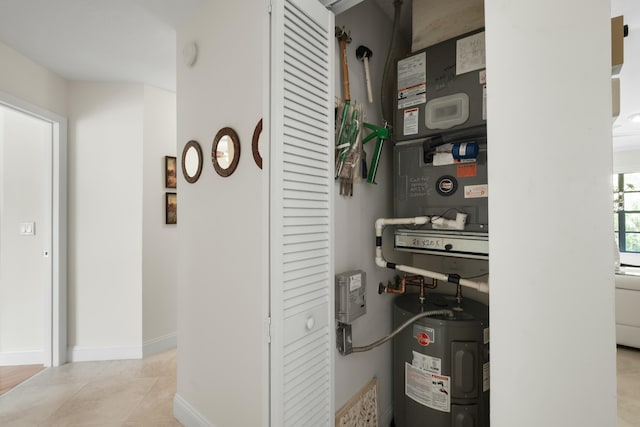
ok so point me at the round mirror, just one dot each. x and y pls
(255, 144)
(192, 161)
(225, 153)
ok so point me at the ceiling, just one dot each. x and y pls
(98, 40)
(134, 41)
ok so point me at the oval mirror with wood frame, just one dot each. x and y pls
(255, 141)
(225, 153)
(192, 161)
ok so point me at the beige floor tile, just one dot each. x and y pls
(102, 401)
(69, 373)
(96, 394)
(628, 370)
(157, 404)
(35, 403)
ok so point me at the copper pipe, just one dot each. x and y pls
(398, 291)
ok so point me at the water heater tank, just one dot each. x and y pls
(441, 364)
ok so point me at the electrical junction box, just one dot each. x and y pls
(442, 88)
(350, 295)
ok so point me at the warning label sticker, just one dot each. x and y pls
(410, 121)
(429, 389)
(412, 81)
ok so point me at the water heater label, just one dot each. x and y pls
(427, 363)
(428, 389)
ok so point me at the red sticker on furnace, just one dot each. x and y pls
(423, 339)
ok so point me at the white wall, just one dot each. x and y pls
(221, 288)
(159, 243)
(25, 194)
(355, 216)
(552, 293)
(24, 79)
(105, 220)
(627, 161)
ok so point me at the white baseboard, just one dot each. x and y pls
(90, 354)
(14, 358)
(187, 414)
(160, 344)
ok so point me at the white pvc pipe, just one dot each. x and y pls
(381, 262)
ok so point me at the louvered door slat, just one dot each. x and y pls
(309, 142)
(301, 195)
(299, 100)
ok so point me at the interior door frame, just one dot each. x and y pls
(55, 324)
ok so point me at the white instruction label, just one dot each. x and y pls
(355, 282)
(428, 389)
(485, 377)
(410, 121)
(470, 54)
(427, 363)
(476, 191)
(412, 81)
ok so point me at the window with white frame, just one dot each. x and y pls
(626, 216)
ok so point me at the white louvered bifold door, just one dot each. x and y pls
(301, 209)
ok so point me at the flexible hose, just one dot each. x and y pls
(388, 74)
(400, 328)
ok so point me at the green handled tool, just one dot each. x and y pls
(382, 134)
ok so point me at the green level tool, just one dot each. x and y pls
(382, 134)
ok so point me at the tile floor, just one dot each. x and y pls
(628, 367)
(132, 393)
(123, 393)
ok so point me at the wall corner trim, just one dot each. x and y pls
(160, 344)
(187, 414)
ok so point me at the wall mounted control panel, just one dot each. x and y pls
(350, 295)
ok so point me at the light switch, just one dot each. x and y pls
(27, 228)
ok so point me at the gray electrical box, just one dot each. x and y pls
(442, 88)
(350, 295)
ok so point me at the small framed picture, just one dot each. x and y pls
(171, 208)
(170, 174)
